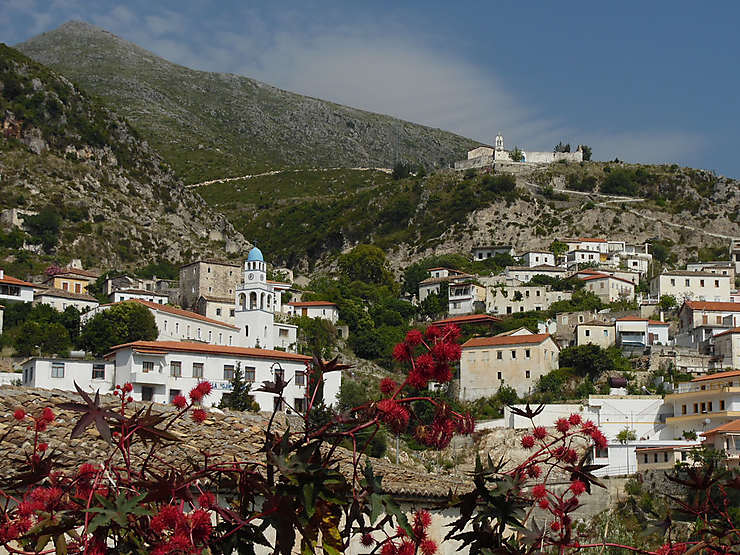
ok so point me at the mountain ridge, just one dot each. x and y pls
(210, 125)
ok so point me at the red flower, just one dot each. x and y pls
(570, 456)
(428, 547)
(414, 337)
(544, 503)
(48, 414)
(562, 425)
(129, 399)
(588, 426)
(207, 500)
(446, 351)
(43, 447)
(534, 471)
(200, 521)
(389, 548)
(180, 401)
(599, 439)
(394, 415)
(422, 518)
(19, 414)
(41, 425)
(574, 419)
(539, 491)
(196, 394)
(417, 380)
(199, 415)
(205, 388)
(387, 386)
(577, 487)
(425, 364)
(451, 331)
(442, 373)
(433, 332)
(407, 548)
(87, 469)
(528, 442)
(402, 352)
(367, 540)
(539, 432)
(465, 424)
(128, 387)
(555, 526)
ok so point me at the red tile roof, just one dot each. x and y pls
(312, 303)
(205, 348)
(500, 340)
(718, 375)
(713, 306)
(469, 319)
(732, 426)
(15, 281)
(180, 312)
(728, 332)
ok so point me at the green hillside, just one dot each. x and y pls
(212, 125)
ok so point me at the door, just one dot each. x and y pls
(304, 312)
(147, 393)
(651, 338)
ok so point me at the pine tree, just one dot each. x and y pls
(240, 399)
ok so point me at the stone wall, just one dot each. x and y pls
(472, 163)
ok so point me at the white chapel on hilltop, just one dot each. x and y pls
(484, 156)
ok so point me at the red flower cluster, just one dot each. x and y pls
(180, 532)
(419, 542)
(388, 386)
(200, 391)
(395, 416)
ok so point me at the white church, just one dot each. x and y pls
(484, 156)
(191, 348)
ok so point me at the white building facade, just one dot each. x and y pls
(60, 300)
(140, 294)
(62, 373)
(314, 309)
(14, 289)
(684, 286)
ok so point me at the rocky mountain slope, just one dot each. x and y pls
(212, 125)
(101, 193)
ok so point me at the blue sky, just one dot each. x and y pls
(642, 81)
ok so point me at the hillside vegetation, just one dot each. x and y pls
(90, 187)
(211, 125)
(302, 217)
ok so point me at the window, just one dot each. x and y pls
(65, 286)
(499, 355)
(709, 406)
(197, 369)
(683, 409)
(57, 369)
(300, 377)
(526, 353)
(220, 338)
(210, 336)
(673, 282)
(721, 404)
(704, 407)
(98, 372)
(646, 458)
(174, 393)
(665, 456)
(147, 393)
(147, 366)
(716, 283)
(199, 333)
(718, 319)
(513, 354)
(606, 333)
(188, 332)
(701, 283)
(282, 332)
(498, 375)
(218, 312)
(232, 312)
(299, 404)
(165, 325)
(687, 282)
(587, 332)
(655, 457)
(177, 327)
(279, 374)
(249, 374)
(228, 371)
(527, 374)
(176, 369)
(78, 288)
(696, 408)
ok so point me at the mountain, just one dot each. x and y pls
(213, 125)
(88, 185)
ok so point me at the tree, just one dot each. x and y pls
(516, 155)
(239, 398)
(36, 338)
(620, 182)
(667, 302)
(586, 152)
(401, 170)
(558, 248)
(366, 263)
(592, 361)
(317, 334)
(560, 147)
(626, 435)
(44, 227)
(121, 323)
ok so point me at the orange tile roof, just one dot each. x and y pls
(713, 306)
(501, 340)
(469, 319)
(728, 332)
(205, 348)
(312, 303)
(179, 312)
(15, 281)
(732, 426)
(718, 375)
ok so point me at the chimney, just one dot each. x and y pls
(662, 316)
(2, 273)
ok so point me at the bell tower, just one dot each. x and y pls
(499, 142)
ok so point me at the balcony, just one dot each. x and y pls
(154, 377)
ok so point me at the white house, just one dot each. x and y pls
(727, 349)
(587, 244)
(537, 258)
(634, 331)
(522, 298)
(14, 289)
(610, 289)
(61, 299)
(438, 276)
(684, 285)
(526, 273)
(314, 309)
(176, 324)
(62, 373)
(161, 370)
(482, 253)
(580, 257)
(121, 295)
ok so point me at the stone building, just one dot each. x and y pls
(209, 278)
(484, 156)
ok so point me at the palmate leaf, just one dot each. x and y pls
(93, 413)
(275, 387)
(527, 412)
(116, 511)
(32, 473)
(145, 426)
(584, 472)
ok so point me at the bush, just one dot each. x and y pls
(122, 323)
(621, 182)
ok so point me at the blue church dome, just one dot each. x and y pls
(255, 255)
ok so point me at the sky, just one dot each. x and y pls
(642, 81)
